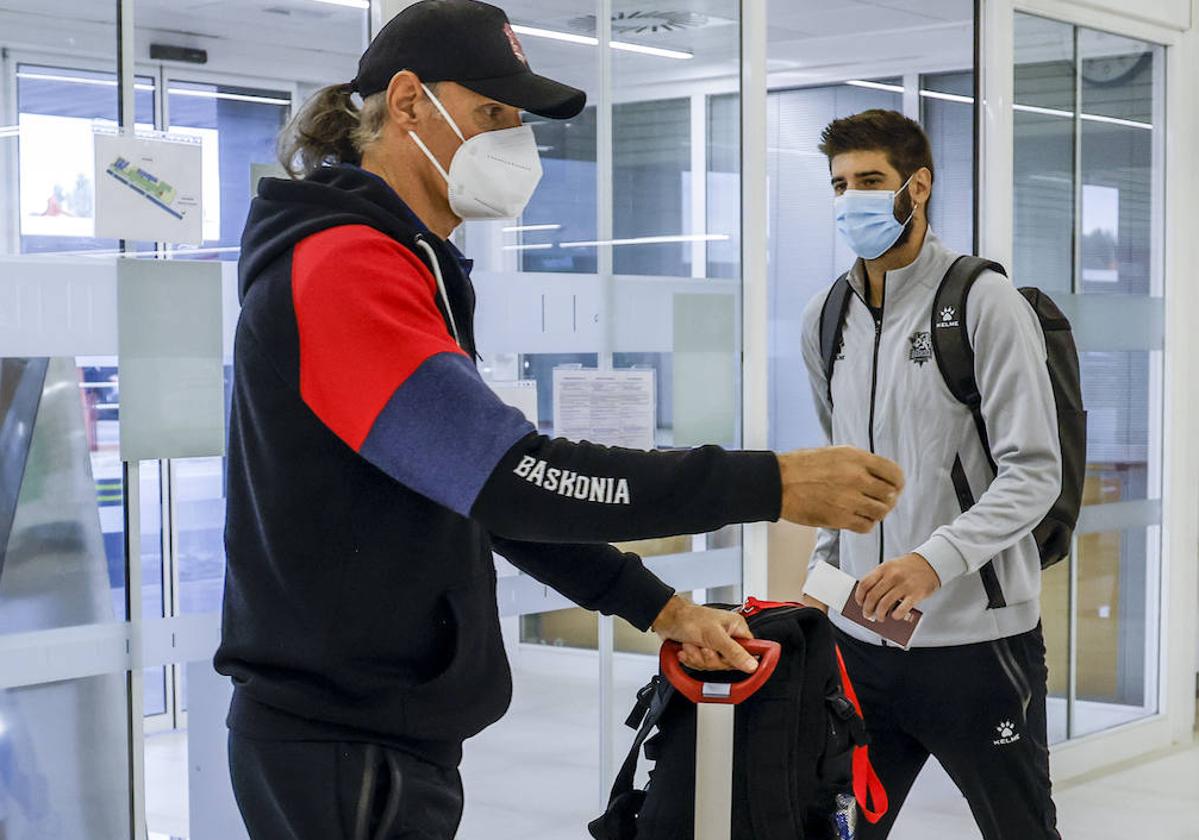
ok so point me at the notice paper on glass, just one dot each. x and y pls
(612, 407)
(148, 188)
(833, 587)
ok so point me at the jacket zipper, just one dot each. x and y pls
(878, 340)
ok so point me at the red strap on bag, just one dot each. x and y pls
(867, 786)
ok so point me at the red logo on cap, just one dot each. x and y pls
(516, 47)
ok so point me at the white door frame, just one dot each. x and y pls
(1174, 723)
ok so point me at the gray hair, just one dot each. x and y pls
(331, 128)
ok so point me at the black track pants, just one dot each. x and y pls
(979, 709)
(314, 790)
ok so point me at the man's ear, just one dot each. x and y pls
(403, 93)
(922, 186)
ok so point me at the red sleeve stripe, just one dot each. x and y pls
(367, 318)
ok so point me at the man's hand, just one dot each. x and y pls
(706, 635)
(897, 585)
(838, 487)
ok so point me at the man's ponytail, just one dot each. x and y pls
(330, 128)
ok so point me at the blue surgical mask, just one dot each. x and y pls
(866, 218)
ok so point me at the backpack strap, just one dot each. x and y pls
(955, 359)
(951, 338)
(867, 786)
(832, 322)
(618, 822)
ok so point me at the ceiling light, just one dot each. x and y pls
(589, 41)
(1100, 118)
(658, 51)
(521, 228)
(555, 35)
(79, 80)
(650, 240)
(232, 97)
(1048, 112)
(876, 86)
(540, 246)
(353, 4)
(948, 97)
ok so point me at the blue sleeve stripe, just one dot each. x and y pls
(443, 431)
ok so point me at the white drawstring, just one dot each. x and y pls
(445, 298)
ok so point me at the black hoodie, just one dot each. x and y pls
(372, 473)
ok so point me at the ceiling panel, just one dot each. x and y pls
(802, 33)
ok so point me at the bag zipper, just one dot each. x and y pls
(754, 606)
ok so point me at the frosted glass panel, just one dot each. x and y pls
(172, 372)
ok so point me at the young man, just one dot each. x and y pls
(372, 472)
(972, 690)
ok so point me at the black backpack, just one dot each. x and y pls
(955, 359)
(799, 743)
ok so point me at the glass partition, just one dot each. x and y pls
(1089, 224)
(64, 698)
(606, 274)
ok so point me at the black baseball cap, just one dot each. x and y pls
(467, 42)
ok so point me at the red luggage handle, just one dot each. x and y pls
(768, 658)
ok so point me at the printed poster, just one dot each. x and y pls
(149, 189)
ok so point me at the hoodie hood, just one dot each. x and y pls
(286, 211)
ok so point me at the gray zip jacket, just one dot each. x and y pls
(890, 398)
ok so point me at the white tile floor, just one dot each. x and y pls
(534, 776)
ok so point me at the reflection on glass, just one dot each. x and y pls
(724, 184)
(1092, 225)
(563, 208)
(199, 490)
(58, 110)
(63, 746)
(54, 572)
(651, 187)
(99, 384)
(64, 760)
(1117, 628)
(1116, 393)
(1055, 619)
(237, 127)
(947, 114)
(806, 254)
(1043, 154)
(1119, 165)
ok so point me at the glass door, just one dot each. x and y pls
(1089, 228)
(625, 267)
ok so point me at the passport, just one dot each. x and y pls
(831, 586)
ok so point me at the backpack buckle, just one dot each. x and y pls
(843, 708)
(645, 697)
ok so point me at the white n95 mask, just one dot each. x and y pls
(493, 174)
